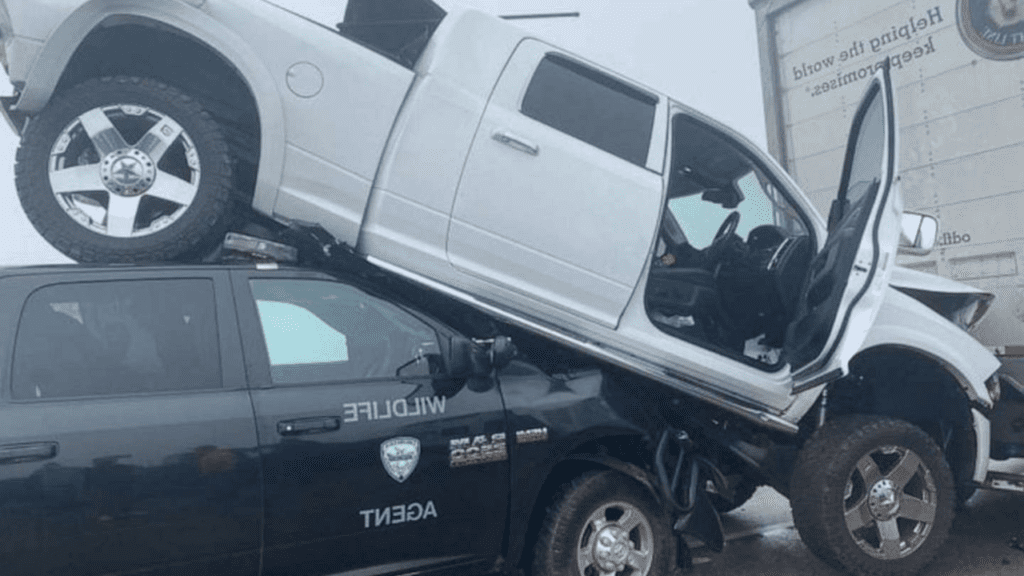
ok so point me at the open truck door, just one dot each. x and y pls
(843, 288)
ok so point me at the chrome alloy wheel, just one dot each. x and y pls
(616, 537)
(121, 189)
(890, 503)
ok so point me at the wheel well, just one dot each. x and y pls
(139, 47)
(908, 385)
(628, 450)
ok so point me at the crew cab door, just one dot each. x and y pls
(560, 196)
(128, 443)
(359, 429)
(844, 285)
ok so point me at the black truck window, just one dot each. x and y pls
(319, 331)
(592, 107)
(108, 338)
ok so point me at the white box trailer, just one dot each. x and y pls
(958, 66)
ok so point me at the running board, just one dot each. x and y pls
(1004, 482)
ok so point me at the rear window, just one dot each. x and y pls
(592, 107)
(108, 338)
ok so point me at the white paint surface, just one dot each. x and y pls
(702, 52)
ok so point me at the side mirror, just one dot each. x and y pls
(918, 234)
(502, 352)
(477, 358)
(467, 358)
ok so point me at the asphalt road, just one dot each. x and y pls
(987, 539)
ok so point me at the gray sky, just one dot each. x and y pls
(701, 52)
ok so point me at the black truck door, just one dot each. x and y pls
(128, 442)
(371, 455)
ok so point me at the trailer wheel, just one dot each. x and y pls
(872, 495)
(125, 169)
(604, 523)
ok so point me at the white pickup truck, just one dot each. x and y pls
(461, 152)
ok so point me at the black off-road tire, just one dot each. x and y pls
(827, 483)
(192, 233)
(569, 529)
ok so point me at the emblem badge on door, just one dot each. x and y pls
(400, 456)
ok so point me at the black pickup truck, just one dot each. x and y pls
(262, 419)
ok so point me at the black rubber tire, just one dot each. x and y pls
(819, 483)
(197, 231)
(566, 524)
(742, 492)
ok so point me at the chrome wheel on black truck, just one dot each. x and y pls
(602, 524)
(125, 169)
(873, 495)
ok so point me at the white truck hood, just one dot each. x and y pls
(925, 282)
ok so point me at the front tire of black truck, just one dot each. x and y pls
(604, 523)
(872, 495)
(126, 169)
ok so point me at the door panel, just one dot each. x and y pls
(554, 203)
(129, 442)
(843, 289)
(357, 423)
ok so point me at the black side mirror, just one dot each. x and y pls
(467, 358)
(502, 352)
(477, 358)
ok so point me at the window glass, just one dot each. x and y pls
(592, 107)
(319, 331)
(104, 338)
(867, 153)
(712, 177)
(762, 205)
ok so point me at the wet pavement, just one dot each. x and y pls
(987, 539)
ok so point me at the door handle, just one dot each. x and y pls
(517, 142)
(308, 425)
(17, 453)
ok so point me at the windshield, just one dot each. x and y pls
(762, 205)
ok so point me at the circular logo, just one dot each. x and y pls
(992, 28)
(127, 172)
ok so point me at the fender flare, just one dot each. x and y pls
(53, 58)
(907, 323)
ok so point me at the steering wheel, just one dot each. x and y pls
(726, 230)
(715, 250)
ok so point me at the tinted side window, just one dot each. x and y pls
(592, 107)
(318, 331)
(103, 338)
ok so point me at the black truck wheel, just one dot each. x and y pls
(604, 523)
(872, 495)
(125, 169)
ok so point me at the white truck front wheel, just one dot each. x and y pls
(873, 495)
